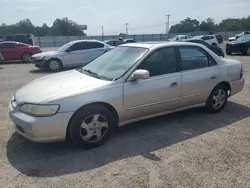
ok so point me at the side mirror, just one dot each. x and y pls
(139, 74)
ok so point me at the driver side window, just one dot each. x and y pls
(78, 46)
(160, 62)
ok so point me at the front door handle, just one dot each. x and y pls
(174, 84)
(213, 77)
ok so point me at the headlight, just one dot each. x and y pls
(39, 110)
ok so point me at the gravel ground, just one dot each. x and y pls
(186, 149)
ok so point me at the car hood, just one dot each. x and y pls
(57, 84)
(49, 53)
(235, 42)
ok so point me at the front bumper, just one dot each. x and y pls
(39, 63)
(40, 129)
(237, 86)
(235, 48)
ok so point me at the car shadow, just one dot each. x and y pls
(142, 138)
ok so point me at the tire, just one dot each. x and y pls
(91, 126)
(247, 51)
(217, 99)
(228, 53)
(54, 65)
(26, 57)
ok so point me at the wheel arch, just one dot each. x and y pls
(106, 105)
(226, 84)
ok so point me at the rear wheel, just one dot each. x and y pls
(54, 65)
(26, 57)
(228, 53)
(217, 99)
(91, 126)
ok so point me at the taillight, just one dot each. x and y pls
(241, 71)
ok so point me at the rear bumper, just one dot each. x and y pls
(237, 86)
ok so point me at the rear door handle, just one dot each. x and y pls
(213, 77)
(174, 84)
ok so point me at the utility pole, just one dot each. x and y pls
(167, 23)
(126, 28)
(102, 31)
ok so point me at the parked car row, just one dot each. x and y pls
(128, 83)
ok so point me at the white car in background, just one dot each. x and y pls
(179, 38)
(210, 39)
(73, 54)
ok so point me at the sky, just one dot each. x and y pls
(143, 16)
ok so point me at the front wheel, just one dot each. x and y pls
(217, 99)
(54, 65)
(91, 126)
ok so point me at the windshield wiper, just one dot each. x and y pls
(91, 73)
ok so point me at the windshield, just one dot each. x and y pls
(64, 47)
(113, 64)
(244, 38)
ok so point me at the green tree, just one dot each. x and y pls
(185, 26)
(208, 25)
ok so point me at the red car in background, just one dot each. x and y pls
(11, 51)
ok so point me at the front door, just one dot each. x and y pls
(76, 56)
(160, 92)
(199, 75)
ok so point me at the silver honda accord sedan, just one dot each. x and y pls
(129, 83)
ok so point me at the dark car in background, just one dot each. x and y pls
(238, 36)
(215, 48)
(219, 37)
(240, 45)
(114, 42)
(129, 41)
(12, 51)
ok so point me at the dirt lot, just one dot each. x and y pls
(187, 149)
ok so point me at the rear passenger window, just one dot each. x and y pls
(193, 58)
(91, 45)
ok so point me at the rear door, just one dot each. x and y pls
(94, 50)
(199, 75)
(9, 52)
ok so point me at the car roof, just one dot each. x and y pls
(9, 42)
(151, 45)
(75, 41)
(13, 42)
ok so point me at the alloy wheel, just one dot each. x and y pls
(54, 65)
(27, 57)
